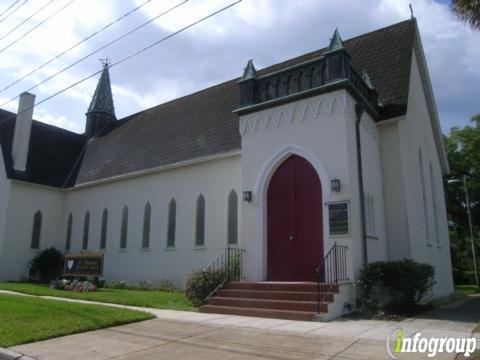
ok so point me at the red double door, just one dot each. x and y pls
(294, 222)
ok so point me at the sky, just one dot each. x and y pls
(267, 31)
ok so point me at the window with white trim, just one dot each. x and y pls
(172, 223)
(86, 228)
(200, 222)
(103, 231)
(146, 226)
(424, 197)
(124, 228)
(68, 240)
(434, 206)
(37, 230)
(232, 218)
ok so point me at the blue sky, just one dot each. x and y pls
(268, 31)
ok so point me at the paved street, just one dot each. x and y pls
(184, 335)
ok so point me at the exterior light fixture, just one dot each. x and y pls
(335, 185)
(247, 196)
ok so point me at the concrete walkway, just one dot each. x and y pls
(190, 335)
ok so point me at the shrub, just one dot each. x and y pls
(116, 284)
(46, 265)
(404, 283)
(201, 283)
(166, 285)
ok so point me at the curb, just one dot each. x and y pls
(6, 354)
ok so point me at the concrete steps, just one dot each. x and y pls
(281, 300)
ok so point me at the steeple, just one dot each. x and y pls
(101, 110)
(336, 42)
(249, 72)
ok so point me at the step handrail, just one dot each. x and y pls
(230, 262)
(331, 270)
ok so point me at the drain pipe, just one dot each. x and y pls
(358, 112)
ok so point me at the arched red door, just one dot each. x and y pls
(294, 222)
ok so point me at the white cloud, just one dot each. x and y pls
(215, 51)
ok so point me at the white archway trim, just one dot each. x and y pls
(270, 166)
(260, 195)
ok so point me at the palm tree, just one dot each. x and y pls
(467, 11)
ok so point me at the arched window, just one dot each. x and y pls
(434, 206)
(37, 230)
(147, 211)
(86, 228)
(200, 222)
(172, 223)
(424, 196)
(68, 240)
(124, 228)
(103, 230)
(232, 218)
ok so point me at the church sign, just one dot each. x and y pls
(84, 263)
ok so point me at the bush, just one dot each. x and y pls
(201, 283)
(46, 265)
(143, 285)
(402, 283)
(74, 285)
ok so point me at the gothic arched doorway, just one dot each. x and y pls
(294, 222)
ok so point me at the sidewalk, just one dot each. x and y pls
(194, 335)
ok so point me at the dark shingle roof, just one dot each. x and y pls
(52, 153)
(202, 124)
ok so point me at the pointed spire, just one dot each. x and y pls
(336, 42)
(249, 72)
(102, 100)
(101, 110)
(366, 79)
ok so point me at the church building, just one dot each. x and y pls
(338, 151)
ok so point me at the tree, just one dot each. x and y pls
(467, 11)
(463, 151)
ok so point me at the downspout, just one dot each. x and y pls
(358, 113)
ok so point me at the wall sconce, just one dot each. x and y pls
(247, 196)
(335, 185)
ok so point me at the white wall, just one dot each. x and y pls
(24, 200)
(322, 130)
(214, 179)
(416, 133)
(373, 189)
(4, 195)
(396, 219)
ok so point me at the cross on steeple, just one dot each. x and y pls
(105, 62)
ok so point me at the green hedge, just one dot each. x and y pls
(401, 284)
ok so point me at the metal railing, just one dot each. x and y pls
(227, 266)
(330, 271)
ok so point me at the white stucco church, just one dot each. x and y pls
(338, 147)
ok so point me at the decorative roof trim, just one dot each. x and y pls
(336, 42)
(249, 72)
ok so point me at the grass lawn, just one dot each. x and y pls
(467, 289)
(154, 299)
(26, 319)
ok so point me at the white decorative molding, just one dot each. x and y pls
(291, 114)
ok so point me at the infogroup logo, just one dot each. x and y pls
(397, 343)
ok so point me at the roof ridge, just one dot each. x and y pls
(209, 88)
